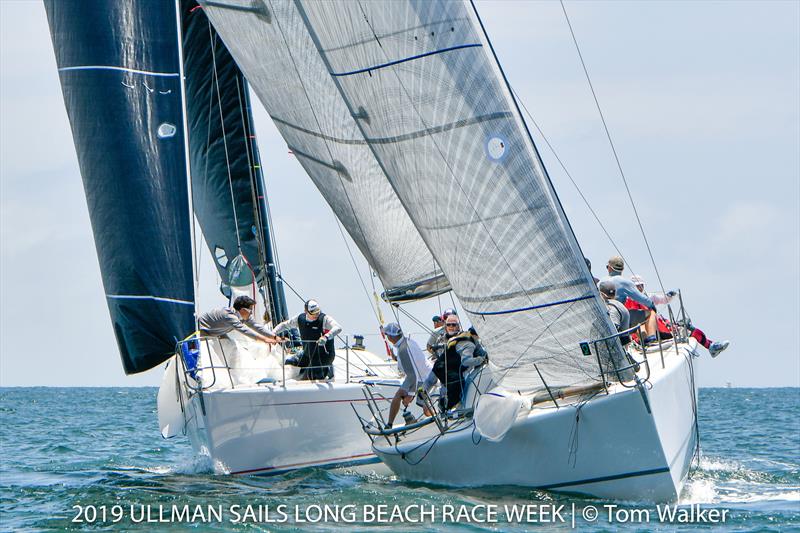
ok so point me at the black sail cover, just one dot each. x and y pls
(119, 70)
(227, 192)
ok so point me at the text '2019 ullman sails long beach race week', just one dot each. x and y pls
(506, 377)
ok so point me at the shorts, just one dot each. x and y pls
(638, 316)
(409, 384)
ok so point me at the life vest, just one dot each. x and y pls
(448, 365)
(633, 305)
(310, 332)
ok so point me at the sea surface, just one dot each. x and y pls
(71, 453)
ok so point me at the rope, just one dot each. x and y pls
(613, 148)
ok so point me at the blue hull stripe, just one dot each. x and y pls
(661, 470)
(540, 306)
(398, 61)
(355, 462)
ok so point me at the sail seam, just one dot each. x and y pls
(540, 306)
(398, 138)
(123, 69)
(148, 297)
(405, 59)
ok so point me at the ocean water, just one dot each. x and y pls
(100, 449)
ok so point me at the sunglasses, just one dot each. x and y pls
(452, 325)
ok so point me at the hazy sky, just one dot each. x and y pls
(702, 98)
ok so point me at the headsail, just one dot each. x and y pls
(120, 75)
(227, 192)
(271, 45)
(430, 101)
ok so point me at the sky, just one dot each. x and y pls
(702, 100)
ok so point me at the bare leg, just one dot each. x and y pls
(651, 324)
(395, 406)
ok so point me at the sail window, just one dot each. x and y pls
(166, 130)
(220, 257)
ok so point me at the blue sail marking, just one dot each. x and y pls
(123, 69)
(397, 61)
(540, 306)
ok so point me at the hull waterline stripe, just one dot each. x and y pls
(363, 458)
(662, 470)
(156, 298)
(123, 69)
(412, 58)
(540, 306)
(326, 401)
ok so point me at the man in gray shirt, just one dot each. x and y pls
(625, 289)
(617, 312)
(219, 322)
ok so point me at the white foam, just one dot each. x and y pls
(698, 491)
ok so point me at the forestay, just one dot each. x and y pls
(120, 75)
(429, 98)
(271, 45)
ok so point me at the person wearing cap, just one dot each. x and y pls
(220, 322)
(617, 312)
(624, 290)
(665, 328)
(317, 333)
(435, 342)
(411, 361)
(459, 355)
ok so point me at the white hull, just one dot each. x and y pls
(274, 428)
(615, 449)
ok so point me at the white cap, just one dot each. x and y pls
(312, 307)
(393, 329)
(636, 279)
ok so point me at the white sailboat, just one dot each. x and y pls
(161, 120)
(410, 93)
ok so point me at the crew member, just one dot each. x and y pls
(412, 363)
(624, 289)
(458, 355)
(617, 312)
(219, 322)
(317, 333)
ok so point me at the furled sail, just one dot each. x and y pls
(273, 48)
(120, 75)
(227, 190)
(429, 98)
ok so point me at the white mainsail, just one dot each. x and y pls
(426, 94)
(274, 50)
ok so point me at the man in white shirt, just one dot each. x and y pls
(412, 362)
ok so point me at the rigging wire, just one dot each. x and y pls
(213, 38)
(358, 271)
(613, 148)
(269, 301)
